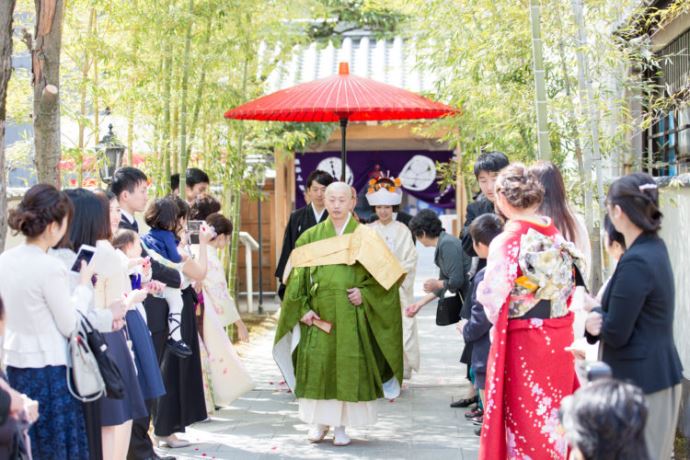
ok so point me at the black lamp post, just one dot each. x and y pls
(110, 152)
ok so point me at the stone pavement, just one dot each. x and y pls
(418, 425)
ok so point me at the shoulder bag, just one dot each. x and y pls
(448, 310)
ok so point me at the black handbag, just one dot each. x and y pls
(448, 310)
(114, 385)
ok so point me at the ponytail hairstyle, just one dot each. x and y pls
(555, 204)
(638, 197)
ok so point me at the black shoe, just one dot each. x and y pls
(474, 413)
(156, 457)
(178, 348)
(464, 402)
(478, 431)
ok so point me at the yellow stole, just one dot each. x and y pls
(363, 245)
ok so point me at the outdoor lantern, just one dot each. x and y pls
(110, 152)
(257, 163)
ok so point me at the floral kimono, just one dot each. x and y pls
(225, 376)
(529, 372)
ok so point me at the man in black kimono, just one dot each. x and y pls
(304, 218)
(130, 188)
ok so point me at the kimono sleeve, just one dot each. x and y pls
(500, 275)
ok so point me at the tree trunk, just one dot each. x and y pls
(539, 82)
(6, 13)
(185, 83)
(591, 113)
(46, 81)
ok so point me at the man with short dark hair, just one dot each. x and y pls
(486, 170)
(196, 183)
(130, 187)
(304, 218)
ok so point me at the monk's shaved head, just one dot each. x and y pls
(338, 200)
(338, 187)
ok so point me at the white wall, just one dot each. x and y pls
(675, 204)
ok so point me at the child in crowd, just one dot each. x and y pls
(128, 246)
(167, 217)
(476, 331)
(486, 170)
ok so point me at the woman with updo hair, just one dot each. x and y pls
(634, 323)
(526, 291)
(41, 315)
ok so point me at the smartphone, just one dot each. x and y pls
(85, 253)
(194, 226)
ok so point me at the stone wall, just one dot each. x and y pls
(675, 204)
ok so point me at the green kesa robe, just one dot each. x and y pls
(361, 359)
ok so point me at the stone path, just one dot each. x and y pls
(418, 425)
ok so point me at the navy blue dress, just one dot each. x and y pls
(59, 432)
(148, 370)
(117, 411)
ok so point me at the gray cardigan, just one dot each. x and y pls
(453, 264)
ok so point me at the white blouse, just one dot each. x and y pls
(40, 307)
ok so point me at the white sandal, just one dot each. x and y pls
(317, 433)
(341, 438)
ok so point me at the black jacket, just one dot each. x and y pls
(638, 308)
(475, 209)
(156, 308)
(453, 265)
(477, 329)
(300, 220)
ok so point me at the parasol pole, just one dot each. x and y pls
(343, 148)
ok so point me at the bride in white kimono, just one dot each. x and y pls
(385, 195)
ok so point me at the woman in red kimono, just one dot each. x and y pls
(526, 291)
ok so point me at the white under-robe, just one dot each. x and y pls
(332, 412)
(399, 240)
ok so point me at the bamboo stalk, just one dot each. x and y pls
(539, 82)
(185, 83)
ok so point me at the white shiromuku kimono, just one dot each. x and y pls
(399, 240)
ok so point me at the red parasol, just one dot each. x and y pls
(342, 98)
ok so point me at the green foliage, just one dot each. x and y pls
(342, 16)
(482, 52)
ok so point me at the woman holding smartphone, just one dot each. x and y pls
(41, 314)
(91, 227)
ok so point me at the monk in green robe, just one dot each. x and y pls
(339, 337)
